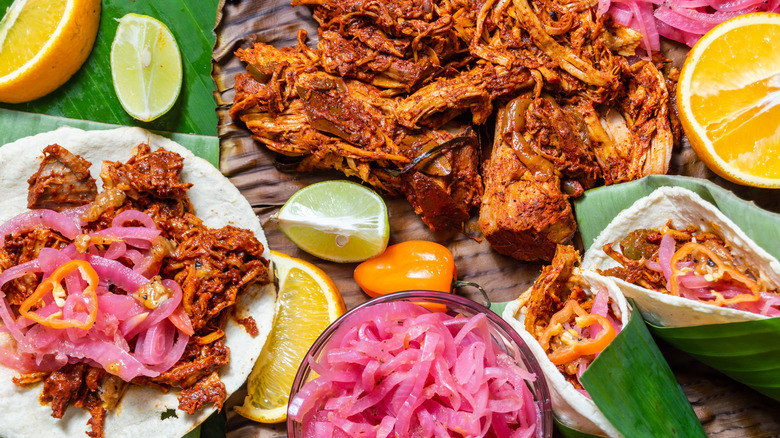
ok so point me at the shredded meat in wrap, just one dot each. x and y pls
(212, 266)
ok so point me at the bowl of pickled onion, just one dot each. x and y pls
(419, 363)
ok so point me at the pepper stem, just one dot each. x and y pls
(461, 283)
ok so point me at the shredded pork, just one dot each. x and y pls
(213, 267)
(388, 80)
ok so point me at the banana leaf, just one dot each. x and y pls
(16, 124)
(747, 351)
(635, 389)
(596, 208)
(89, 94)
(566, 431)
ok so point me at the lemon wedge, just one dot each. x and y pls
(308, 302)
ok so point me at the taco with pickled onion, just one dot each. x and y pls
(685, 263)
(567, 318)
(135, 289)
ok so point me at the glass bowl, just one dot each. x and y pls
(503, 336)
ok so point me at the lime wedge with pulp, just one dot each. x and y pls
(339, 221)
(145, 67)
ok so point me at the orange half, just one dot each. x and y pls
(729, 99)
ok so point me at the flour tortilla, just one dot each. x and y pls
(684, 208)
(571, 408)
(218, 203)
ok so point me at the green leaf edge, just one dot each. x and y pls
(640, 396)
(498, 308)
(746, 351)
(568, 432)
(17, 124)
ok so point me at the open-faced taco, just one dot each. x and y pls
(567, 318)
(684, 263)
(135, 289)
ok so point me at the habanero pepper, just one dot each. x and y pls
(53, 285)
(411, 265)
(576, 348)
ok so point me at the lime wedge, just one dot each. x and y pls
(145, 67)
(340, 221)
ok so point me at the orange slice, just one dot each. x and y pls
(42, 44)
(729, 99)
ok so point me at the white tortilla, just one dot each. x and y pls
(571, 408)
(217, 202)
(684, 208)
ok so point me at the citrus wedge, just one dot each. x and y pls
(145, 67)
(339, 221)
(308, 302)
(729, 99)
(42, 44)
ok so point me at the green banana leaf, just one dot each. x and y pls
(747, 352)
(498, 308)
(597, 207)
(566, 431)
(89, 94)
(16, 124)
(635, 389)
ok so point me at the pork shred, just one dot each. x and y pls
(78, 385)
(62, 181)
(214, 266)
(147, 175)
(388, 79)
(21, 248)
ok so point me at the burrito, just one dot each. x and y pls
(567, 318)
(135, 286)
(684, 263)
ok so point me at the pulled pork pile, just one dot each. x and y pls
(212, 266)
(389, 81)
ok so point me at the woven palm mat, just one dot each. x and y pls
(725, 408)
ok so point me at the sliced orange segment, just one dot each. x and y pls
(308, 302)
(729, 99)
(42, 44)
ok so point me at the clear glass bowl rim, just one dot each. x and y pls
(539, 387)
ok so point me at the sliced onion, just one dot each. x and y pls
(115, 250)
(163, 311)
(76, 213)
(133, 216)
(361, 390)
(117, 273)
(152, 345)
(40, 218)
(771, 305)
(665, 252)
(6, 314)
(109, 356)
(680, 20)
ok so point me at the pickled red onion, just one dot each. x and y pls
(397, 368)
(133, 216)
(40, 218)
(684, 21)
(162, 333)
(698, 287)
